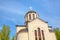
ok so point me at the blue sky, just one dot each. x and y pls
(12, 12)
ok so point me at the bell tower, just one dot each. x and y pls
(31, 15)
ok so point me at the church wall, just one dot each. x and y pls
(22, 36)
(52, 36)
(34, 25)
(26, 17)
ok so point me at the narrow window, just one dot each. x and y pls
(33, 16)
(39, 34)
(43, 35)
(35, 35)
(30, 16)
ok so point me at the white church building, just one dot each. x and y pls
(34, 28)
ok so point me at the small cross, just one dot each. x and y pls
(30, 8)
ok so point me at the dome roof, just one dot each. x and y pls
(31, 11)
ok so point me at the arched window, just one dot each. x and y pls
(33, 16)
(39, 34)
(30, 16)
(35, 35)
(43, 35)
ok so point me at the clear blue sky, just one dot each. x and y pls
(12, 12)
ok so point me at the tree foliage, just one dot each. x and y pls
(5, 33)
(57, 32)
(13, 38)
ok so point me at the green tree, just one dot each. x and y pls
(57, 32)
(13, 38)
(0, 35)
(5, 33)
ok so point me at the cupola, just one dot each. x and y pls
(31, 15)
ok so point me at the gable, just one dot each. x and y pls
(37, 23)
(38, 19)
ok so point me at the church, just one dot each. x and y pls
(34, 28)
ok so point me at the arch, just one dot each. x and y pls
(35, 34)
(39, 33)
(43, 35)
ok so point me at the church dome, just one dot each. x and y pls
(31, 15)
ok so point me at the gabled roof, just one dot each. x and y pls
(43, 20)
(39, 19)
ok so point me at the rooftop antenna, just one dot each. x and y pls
(30, 8)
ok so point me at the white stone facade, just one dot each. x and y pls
(32, 23)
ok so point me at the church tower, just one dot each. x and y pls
(31, 15)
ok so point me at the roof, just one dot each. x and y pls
(50, 26)
(43, 20)
(31, 11)
(51, 30)
(20, 25)
(40, 19)
(23, 30)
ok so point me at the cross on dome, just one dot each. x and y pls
(30, 8)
